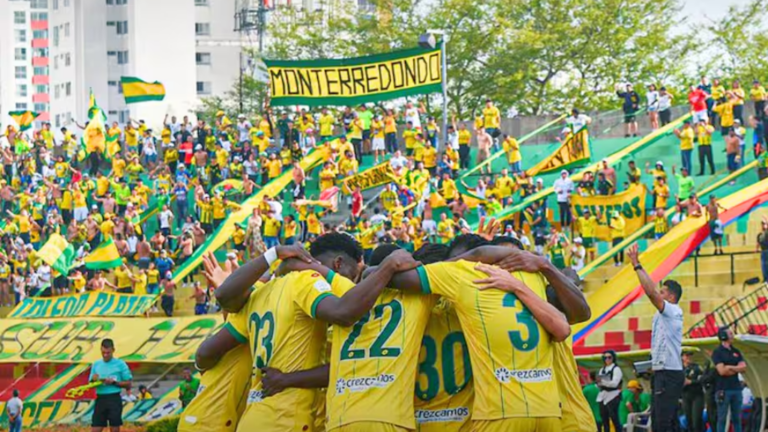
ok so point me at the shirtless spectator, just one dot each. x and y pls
(484, 143)
(144, 253)
(167, 300)
(201, 300)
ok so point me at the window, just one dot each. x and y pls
(124, 116)
(67, 59)
(66, 3)
(110, 2)
(122, 57)
(201, 2)
(39, 34)
(21, 72)
(56, 63)
(112, 113)
(66, 30)
(40, 70)
(40, 16)
(39, 4)
(56, 91)
(58, 120)
(112, 83)
(20, 53)
(203, 58)
(41, 107)
(110, 23)
(68, 89)
(112, 53)
(122, 27)
(202, 29)
(21, 90)
(21, 106)
(119, 89)
(203, 87)
(20, 35)
(121, 2)
(56, 36)
(41, 89)
(19, 17)
(55, 4)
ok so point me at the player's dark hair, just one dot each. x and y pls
(465, 242)
(336, 242)
(674, 288)
(107, 343)
(507, 240)
(382, 252)
(431, 253)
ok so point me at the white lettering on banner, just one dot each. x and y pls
(255, 396)
(505, 375)
(444, 415)
(363, 383)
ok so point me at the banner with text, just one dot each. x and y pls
(85, 304)
(355, 80)
(76, 340)
(630, 204)
(573, 151)
(370, 178)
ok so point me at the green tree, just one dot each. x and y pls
(740, 43)
(247, 97)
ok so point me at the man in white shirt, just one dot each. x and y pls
(666, 345)
(398, 161)
(412, 115)
(609, 380)
(564, 188)
(576, 121)
(242, 128)
(173, 125)
(14, 408)
(577, 254)
(165, 217)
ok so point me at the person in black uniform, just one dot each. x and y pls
(693, 394)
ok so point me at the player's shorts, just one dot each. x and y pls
(548, 424)
(699, 116)
(378, 144)
(630, 117)
(369, 427)
(588, 242)
(108, 411)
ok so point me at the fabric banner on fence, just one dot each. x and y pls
(574, 151)
(355, 80)
(370, 178)
(630, 204)
(76, 340)
(99, 304)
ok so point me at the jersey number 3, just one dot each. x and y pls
(377, 348)
(525, 319)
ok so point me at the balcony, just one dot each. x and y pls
(41, 98)
(44, 116)
(39, 25)
(39, 43)
(41, 79)
(40, 61)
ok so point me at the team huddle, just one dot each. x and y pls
(467, 336)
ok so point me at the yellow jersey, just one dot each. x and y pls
(505, 185)
(465, 136)
(757, 93)
(220, 399)
(377, 129)
(725, 110)
(444, 391)
(374, 362)
(686, 139)
(390, 126)
(429, 155)
(491, 117)
(512, 147)
(278, 324)
(327, 179)
(739, 92)
(512, 358)
(704, 134)
(326, 125)
(588, 226)
(577, 416)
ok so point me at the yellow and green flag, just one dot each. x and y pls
(104, 257)
(94, 135)
(58, 253)
(137, 90)
(24, 119)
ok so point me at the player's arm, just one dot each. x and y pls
(233, 284)
(569, 298)
(553, 321)
(215, 347)
(645, 279)
(275, 381)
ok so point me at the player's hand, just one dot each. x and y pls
(400, 260)
(499, 279)
(488, 231)
(294, 264)
(294, 251)
(272, 381)
(214, 273)
(632, 253)
(520, 260)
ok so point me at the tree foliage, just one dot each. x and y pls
(536, 56)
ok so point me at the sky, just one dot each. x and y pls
(698, 11)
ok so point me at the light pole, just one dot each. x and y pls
(444, 74)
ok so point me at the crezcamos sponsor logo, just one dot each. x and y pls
(523, 375)
(255, 396)
(363, 383)
(443, 415)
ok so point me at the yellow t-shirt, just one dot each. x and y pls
(686, 139)
(512, 147)
(577, 415)
(153, 275)
(378, 129)
(587, 226)
(220, 399)
(757, 94)
(409, 136)
(617, 228)
(512, 360)
(222, 156)
(505, 186)
(704, 134)
(289, 231)
(61, 169)
(739, 92)
(102, 185)
(662, 194)
(140, 286)
(275, 168)
(374, 363)
(355, 130)
(449, 189)
(326, 125)
(445, 230)
(444, 390)
(327, 179)
(429, 156)
(278, 324)
(271, 227)
(131, 137)
(118, 167)
(238, 236)
(390, 126)
(726, 113)
(491, 117)
(313, 224)
(123, 278)
(465, 136)
(718, 92)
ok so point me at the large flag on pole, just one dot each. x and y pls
(58, 253)
(24, 119)
(94, 135)
(104, 257)
(137, 90)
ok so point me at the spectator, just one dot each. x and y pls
(685, 184)
(633, 400)
(729, 364)
(732, 150)
(617, 225)
(704, 138)
(14, 409)
(144, 393)
(666, 345)
(604, 186)
(168, 299)
(665, 103)
(188, 387)
(564, 188)
(762, 247)
(609, 380)
(738, 106)
(697, 98)
(757, 94)
(578, 254)
(201, 299)
(609, 172)
(114, 376)
(591, 391)
(758, 135)
(576, 122)
(630, 105)
(686, 137)
(693, 394)
(652, 98)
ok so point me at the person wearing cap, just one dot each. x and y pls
(630, 105)
(758, 95)
(617, 225)
(578, 253)
(609, 379)
(587, 224)
(729, 363)
(564, 188)
(726, 111)
(633, 401)
(686, 136)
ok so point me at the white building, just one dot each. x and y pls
(23, 58)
